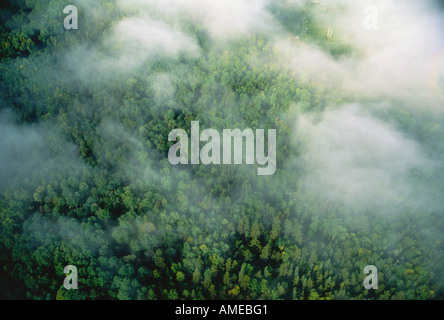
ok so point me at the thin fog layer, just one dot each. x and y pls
(222, 19)
(400, 59)
(34, 155)
(362, 162)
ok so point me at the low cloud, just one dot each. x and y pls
(34, 155)
(358, 161)
(222, 19)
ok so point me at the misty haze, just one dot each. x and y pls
(354, 90)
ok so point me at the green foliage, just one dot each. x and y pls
(137, 227)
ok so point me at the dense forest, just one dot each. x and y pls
(85, 178)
